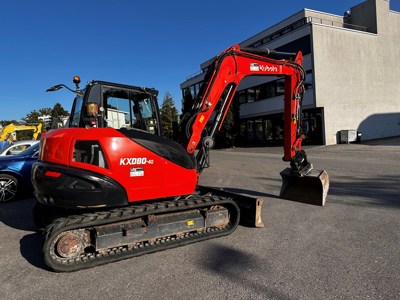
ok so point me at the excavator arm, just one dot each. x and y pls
(9, 129)
(222, 80)
(300, 182)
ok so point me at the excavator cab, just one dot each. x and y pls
(104, 104)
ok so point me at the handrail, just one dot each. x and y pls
(316, 20)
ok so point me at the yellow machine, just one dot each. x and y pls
(6, 133)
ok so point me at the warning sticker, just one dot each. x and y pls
(135, 172)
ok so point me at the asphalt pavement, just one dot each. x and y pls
(348, 249)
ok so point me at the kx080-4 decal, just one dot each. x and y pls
(130, 161)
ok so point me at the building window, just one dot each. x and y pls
(251, 96)
(197, 88)
(274, 88)
(279, 33)
(308, 83)
(302, 44)
(250, 130)
(267, 130)
(242, 96)
(269, 89)
(185, 92)
(259, 92)
(259, 130)
(280, 87)
(192, 91)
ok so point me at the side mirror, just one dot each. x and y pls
(55, 88)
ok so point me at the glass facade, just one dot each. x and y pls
(280, 33)
(269, 89)
(268, 130)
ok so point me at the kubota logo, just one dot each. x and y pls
(268, 68)
(255, 67)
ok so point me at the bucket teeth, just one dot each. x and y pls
(311, 188)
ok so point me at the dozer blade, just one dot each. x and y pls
(250, 207)
(311, 188)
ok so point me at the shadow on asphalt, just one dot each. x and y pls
(392, 141)
(266, 195)
(18, 215)
(31, 250)
(233, 265)
(249, 192)
(377, 191)
(381, 191)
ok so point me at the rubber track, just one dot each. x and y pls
(132, 212)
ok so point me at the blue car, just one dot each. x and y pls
(15, 173)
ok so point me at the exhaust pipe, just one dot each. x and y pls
(311, 188)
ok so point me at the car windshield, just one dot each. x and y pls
(31, 150)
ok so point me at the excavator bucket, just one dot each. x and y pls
(311, 188)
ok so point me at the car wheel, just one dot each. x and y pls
(8, 187)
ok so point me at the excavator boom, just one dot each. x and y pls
(11, 128)
(218, 89)
(225, 74)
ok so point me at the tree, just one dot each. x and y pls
(45, 111)
(55, 112)
(58, 111)
(4, 123)
(32, 117)
(169, 115)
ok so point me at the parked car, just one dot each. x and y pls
(17, 147)
(15, 173)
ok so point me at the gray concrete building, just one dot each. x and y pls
(352, 64)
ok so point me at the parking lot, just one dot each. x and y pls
(348, 249)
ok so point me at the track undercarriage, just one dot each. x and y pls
(82, 241)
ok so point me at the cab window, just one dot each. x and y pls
(129, 109)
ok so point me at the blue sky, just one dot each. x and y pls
(145, 43)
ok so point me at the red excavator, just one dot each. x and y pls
(111, 187)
